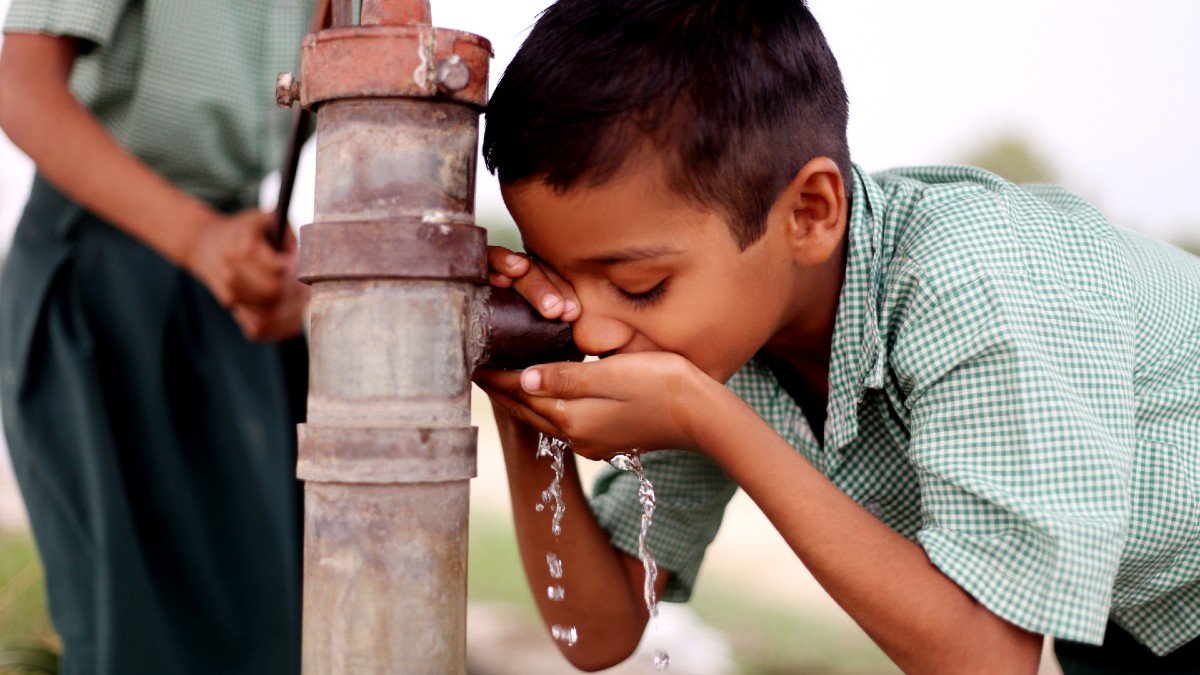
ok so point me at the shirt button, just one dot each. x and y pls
(874, 508)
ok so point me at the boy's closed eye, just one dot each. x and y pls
(641, 299)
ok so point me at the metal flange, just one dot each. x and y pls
(394, 61)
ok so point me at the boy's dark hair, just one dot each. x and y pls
(735, 95)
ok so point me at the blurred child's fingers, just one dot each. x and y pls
(500, 280)
(506, 262)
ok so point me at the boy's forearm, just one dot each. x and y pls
(600, 599)
(76, 153)
(918, 616)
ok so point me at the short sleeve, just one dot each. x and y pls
(92, 20)
(692, 493)
(1021, 421)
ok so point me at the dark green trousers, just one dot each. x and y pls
(1122, 655)
(155, 450)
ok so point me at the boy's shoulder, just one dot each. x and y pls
(961, 224)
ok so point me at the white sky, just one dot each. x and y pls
(1108, 90)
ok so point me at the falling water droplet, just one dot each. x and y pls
(555, 565)
(662, 660)
(565, 634)
(555, 593)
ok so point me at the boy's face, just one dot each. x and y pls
(654, 273)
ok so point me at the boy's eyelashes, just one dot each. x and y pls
(643, 299)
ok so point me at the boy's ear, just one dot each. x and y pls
(814, 211)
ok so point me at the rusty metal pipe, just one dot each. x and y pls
(400, 316)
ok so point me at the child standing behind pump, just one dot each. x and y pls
(153, 368)
(971, 408)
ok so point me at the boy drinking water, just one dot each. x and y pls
(972, 409)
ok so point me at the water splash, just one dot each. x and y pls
(631, 462)
(555, 593)
(565, 634)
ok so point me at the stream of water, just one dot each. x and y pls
(552, 495)
(647, 499)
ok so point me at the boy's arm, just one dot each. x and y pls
(923, 620)
(603, 586)
(74, 151)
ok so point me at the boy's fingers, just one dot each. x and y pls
(507, 382)
(569, 380)
(506, 262)
(571, 305)
(523, 413)
(537, 288)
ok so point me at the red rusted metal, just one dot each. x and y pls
(390, 61)
(395, 12)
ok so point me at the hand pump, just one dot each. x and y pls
(400, 316)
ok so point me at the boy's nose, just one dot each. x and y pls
(596, 334)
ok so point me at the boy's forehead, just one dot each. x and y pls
(598, 226)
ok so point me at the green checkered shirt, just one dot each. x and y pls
(1015, 385)
(188, 86)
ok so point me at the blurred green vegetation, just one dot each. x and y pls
(503, 233)
(1014, 156)
(767, 639)
(28, 643)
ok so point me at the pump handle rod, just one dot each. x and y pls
(301, 121)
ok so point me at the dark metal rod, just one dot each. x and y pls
(301, 124)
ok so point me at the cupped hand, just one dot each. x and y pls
(648, 401)
(234, 258)
(536, 281)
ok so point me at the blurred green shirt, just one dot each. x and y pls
(188, 86)
(1015, 384)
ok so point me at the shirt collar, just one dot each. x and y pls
(858, 356)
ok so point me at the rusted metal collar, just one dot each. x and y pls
(386, 455)
(393, 249)
(394, 61)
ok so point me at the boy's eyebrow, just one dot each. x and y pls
(631, 254)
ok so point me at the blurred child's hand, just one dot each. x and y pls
(235, 260)
(649, 401)
(284, 318)
(537, 282)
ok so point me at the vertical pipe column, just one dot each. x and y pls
(395, 261)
